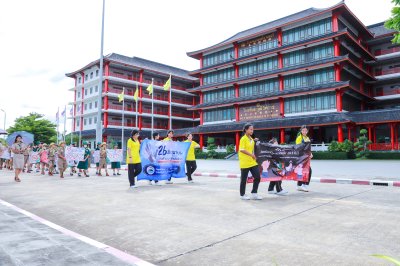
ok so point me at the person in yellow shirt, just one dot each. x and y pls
(248, 163)
(133, 157)
(191, 158)
(170, 135)
(301, 138)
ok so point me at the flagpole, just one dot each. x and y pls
(99, 126)
(58, 123)
(136, 109)
(65, 121)
(152, 108)
(123, 119)
(170, 103)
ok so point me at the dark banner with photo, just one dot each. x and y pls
(283, 162)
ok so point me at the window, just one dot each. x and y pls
(85, 106)
(258, 45)
(219, 114)
(84, 122)
(90, 105)
(90, 121)
(261, 87)
(313, 78)
(79, 94)
(219, 76)
(219, 95)
(86, 92)
(257, 67)
(97, 73)
(95, 120)
(218, 57)
(77, 122)
(91, 90)
(91, 75)
(95, 104)
(79, 80)
(310, 103)
(307, 31)
(86, 77)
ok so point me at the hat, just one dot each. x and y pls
(61, 142)
(84, 142)
(51, 144)
(98, 143)
(44, 144)
(104, 143)
(37, 142)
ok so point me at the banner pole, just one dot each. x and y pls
(152, 108)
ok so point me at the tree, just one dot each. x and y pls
(394, 22)
(75, 138)
(361, 146)
(211, 147)
(42, 129)
(230, 149)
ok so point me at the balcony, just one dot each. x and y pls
(144, 82)
(119, 107)
(122, 76)
(148, 125)
(119, 124)
(380, 72)
(387, 51)
(155, 112)
(387, 92)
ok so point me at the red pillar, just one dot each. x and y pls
(392, 125)
(236, 68)
(105, 119)
(281, 83)
(335, 24)
(349, 128)
(336, 47)
(362, 85)
(311, 132)
(237, 141)
(104, 138)
(201, 61)
(282, 135)
(201, 79)
(282, 107)
(374, 130)
(201, 97)
(237, 118)
(236, 50)
(201, 117)
(279, 36)
(337, 72)
(280, 60)
(339, 106)
(369, 132)
(201, 141)
(236, 90)
(340, 133)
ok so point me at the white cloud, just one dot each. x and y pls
(42, 40)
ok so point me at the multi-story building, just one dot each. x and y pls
(128, 72)
(318, 67)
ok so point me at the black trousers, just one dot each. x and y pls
(277, 184)
(299, 183)
(190, 168)
(134, 170)
(244, 172)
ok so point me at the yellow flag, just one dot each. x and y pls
(167, 84)
(150, 88)
(136, 95)
(121, 96)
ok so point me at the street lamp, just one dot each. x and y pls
(5, 115)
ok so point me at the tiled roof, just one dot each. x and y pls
(269, 26)
(379, 29)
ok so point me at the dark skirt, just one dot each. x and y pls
(115, 165)
(84, 165)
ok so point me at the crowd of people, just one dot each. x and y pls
(51, 159)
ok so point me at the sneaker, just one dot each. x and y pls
(149, 181)
(299, 188)
(134, 186)
(244, 197)
(114, 174)
(271, 192)
(282, 192)
(190, 181)
(255, 196)
(169, 182)
(304, 188)
(118, 174)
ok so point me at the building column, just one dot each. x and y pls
(311, 132)
(340, 133)
(105, 138)
(339, 104)
(369, 127)
(392, 135)
(236, 68)
(282, 135)
(237, 118)
(105, 119)
(282, 107)
(236, 50)
(201, 117)
(280, 60)
(82, 98)
(237, 140)
(335, 23)
(279, 36)
(281, 83)
(336, 47)
(201, 97)
(201, 79)
(374, 133)
(74, 114)
(236, 90)
(201, 61)
(362, 86)
(349, 128)
(337, 72)
(201, 141)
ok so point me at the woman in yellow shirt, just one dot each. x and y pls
(247, 162)
(133, 157)
(191, 158)
(301, 138)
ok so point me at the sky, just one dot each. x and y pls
(42, 40)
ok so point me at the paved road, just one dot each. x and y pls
(206, 223)
(353, 169)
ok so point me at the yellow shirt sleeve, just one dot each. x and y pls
(299, 139)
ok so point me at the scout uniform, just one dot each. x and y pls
(52, 154)
(62, 162)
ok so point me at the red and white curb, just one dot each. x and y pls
(113, 251)
(320, 180)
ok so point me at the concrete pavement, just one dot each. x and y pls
(206, 223)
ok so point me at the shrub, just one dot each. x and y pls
(328, 155)
(230, 149)
(211, 147)
(361, 146)
(384, 155)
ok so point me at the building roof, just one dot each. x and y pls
(270, 26)
(379, 29)
(140, 63)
